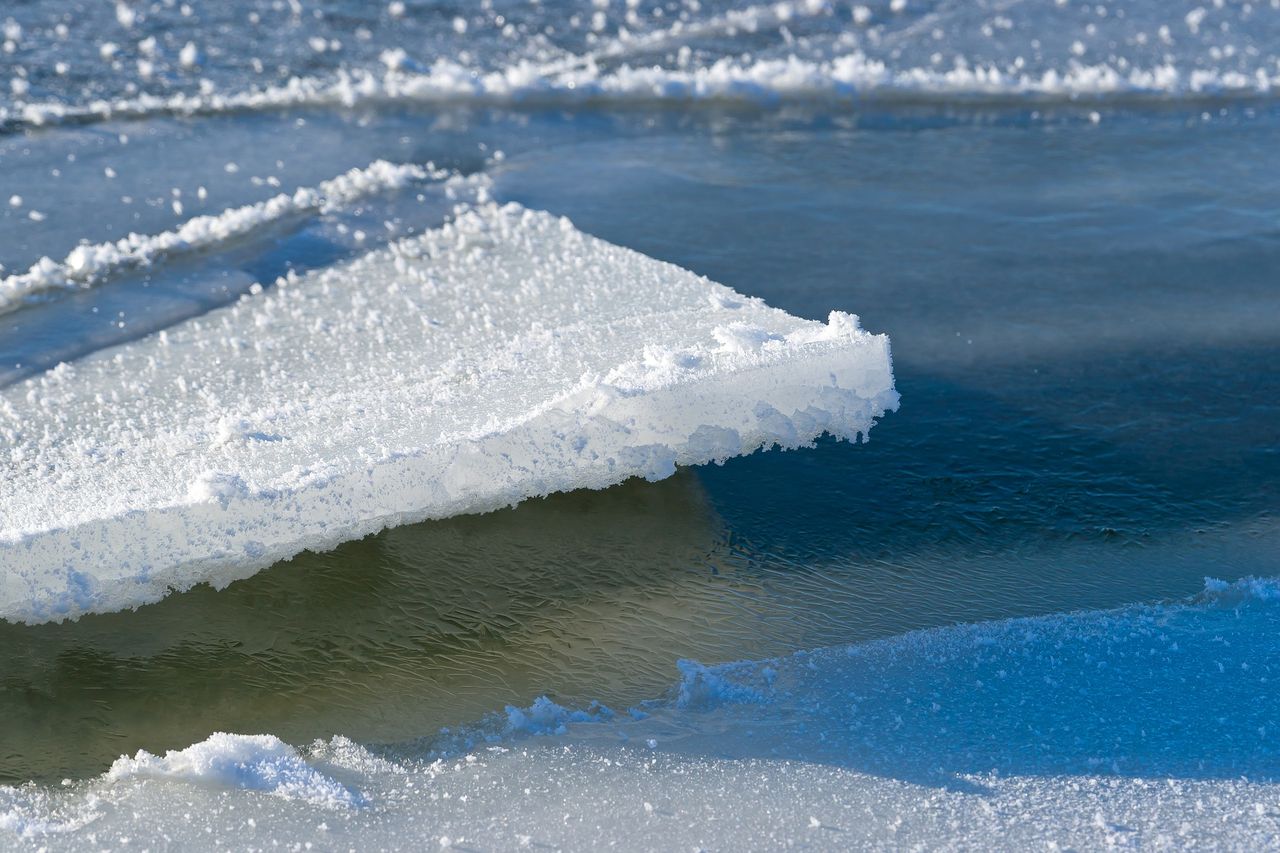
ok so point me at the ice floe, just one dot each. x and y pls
(502, 356)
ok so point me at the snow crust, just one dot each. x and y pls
(1145, 727)
(503, 356)
(88, 263)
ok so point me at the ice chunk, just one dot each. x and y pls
(503, 356)
(247, 762)
(546, 717)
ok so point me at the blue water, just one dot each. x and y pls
(1080, 289)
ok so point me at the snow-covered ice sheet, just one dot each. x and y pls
(716, 52)
(1143, 727)
(846, 78)
(503, 356)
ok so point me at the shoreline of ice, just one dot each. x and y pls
(1028, 730)
(501, 357)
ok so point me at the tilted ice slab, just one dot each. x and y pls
(503, 356)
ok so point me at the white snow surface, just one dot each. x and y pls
(503, 356)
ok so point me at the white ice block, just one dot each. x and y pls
(503, 356)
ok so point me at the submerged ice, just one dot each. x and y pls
(503, 356)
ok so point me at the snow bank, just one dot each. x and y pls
(504, 356)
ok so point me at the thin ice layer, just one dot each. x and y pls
(503, 356)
